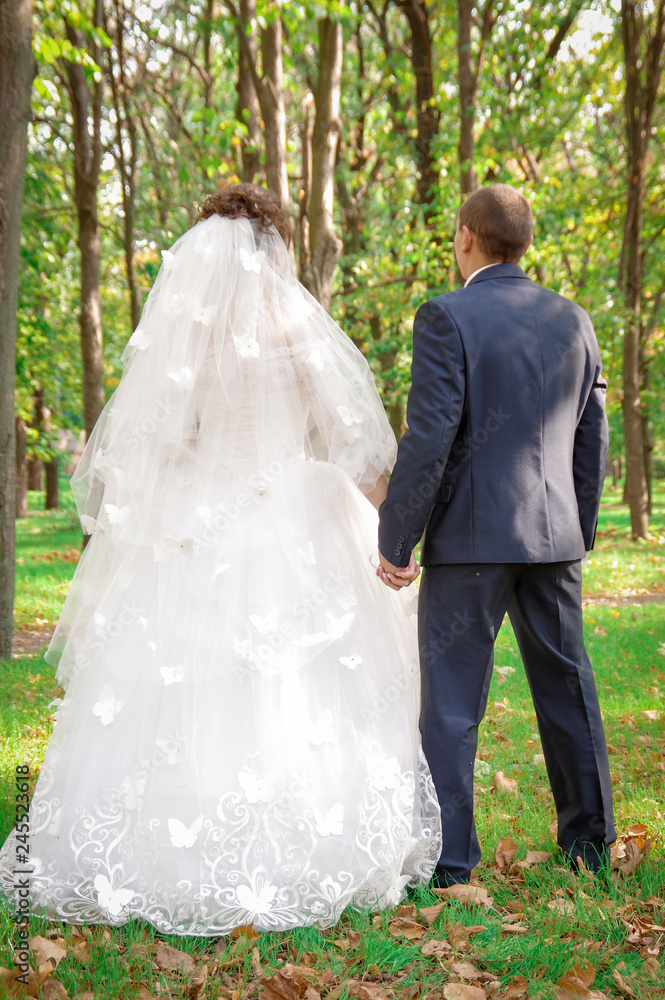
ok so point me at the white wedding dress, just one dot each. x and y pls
(238, 742)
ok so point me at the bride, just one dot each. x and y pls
(238, 740)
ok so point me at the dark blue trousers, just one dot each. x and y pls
(461, 608)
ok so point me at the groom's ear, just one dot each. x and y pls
(467, 239)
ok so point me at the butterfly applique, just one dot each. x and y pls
(204, 314)
(91, 525)
(116, 515)
(174, 305)
(308, 554)
(184, 836)
(316, 360)
(332, 824)
(252, 261)
(172, 749)
(256, 789)
(351, 661)
(247, 347)
(139, 339)
(394, 893)
(351, 415)
(202, 244)
(132, 792)
(254, 902)
(107, 708)
(173, 675)
(114, 901)
(100, 623)
(168, 260)
(323, 730)
(183, 378)
(267, 625)
(385, 773)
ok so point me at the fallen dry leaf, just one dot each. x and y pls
(406, 927)
(574, 985)
(53, 990)
(470, 895)
(561, 905)
(284, 985)
(467, 970)
(430, 913)
(245, 930)
(505, 852)
(504, 784)
(514, 929)
(517, 987)
(461, 991)
(170, 959)
(626, 857)
(537, 857)
(459, 936)
(436, 948)
(364, 991)
(46, 951)
(623, 987)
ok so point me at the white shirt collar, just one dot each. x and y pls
(483, 268)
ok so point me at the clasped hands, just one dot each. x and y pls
(396, 577)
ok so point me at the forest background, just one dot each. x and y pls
(371, 121)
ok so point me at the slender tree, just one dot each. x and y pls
(469, 68)
(86, 107)
(247, 107)
(643, 36)
(17, 69)
(427, 115)
(325, 245)
(268, 85)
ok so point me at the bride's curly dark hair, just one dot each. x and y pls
(246, 201)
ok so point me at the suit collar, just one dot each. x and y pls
(507, 270)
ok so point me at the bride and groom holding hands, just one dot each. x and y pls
(258, 743)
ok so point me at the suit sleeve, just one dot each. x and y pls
(590, 454)
(434, 411)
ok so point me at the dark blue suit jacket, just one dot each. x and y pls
(504, 458)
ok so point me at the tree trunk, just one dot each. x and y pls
(467, 97)
(271, 99)
(247, 107)
(52, 495)
(21, 470)
(86, 116)
(643, 52)
(35, 465)
(126, 155)
(17, 69)
(325, 245)
(305, 256)
(35, 474)
(427, 115)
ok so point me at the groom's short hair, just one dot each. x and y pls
(501, 220)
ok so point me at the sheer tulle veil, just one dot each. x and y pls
(231, 358)
(226, 310)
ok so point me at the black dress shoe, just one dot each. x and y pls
(594, 857)
(443, 879)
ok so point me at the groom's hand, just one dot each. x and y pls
(396, 577)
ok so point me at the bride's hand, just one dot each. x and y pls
(396, 577)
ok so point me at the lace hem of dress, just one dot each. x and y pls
(256, 862)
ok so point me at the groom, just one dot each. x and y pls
(502, 470)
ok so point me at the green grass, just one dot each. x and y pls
(625, 632)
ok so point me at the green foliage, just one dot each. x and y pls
(549, 119)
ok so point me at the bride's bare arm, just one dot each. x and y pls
(378, 494)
